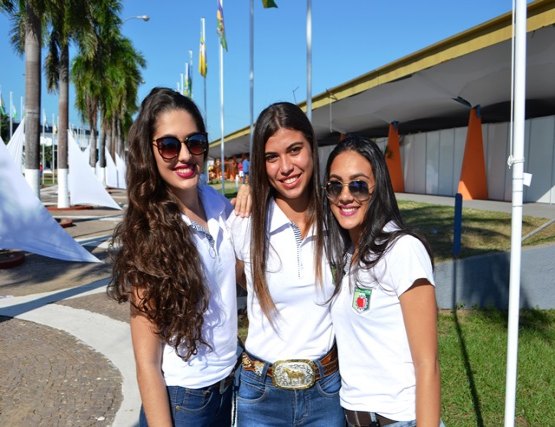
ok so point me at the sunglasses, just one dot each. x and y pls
(359, 189)
(169, 146)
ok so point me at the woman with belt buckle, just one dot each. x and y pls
(289, 374)
(176, 265)
(384, 309)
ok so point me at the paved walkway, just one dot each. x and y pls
(65, 347)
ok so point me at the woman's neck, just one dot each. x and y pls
(191, 205)
(297, 212)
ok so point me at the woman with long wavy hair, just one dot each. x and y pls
(176, 265)
(289, 372)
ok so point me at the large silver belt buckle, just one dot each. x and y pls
(294, 374)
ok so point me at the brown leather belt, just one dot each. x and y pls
(297, 374)
(364, 419)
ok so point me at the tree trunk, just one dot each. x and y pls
(102, 149)
(33, 31)
(63, 101)
(102, 155)
(113, 140)
(121, 144)
(92, 141)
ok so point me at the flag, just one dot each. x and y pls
(2, 110)
(189, 74)
(221, 27)
(14, 112)
(202, 68)
(268, 3)
(187, 81)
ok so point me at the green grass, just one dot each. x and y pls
(482, 231)
(473, 348)
(229, 188)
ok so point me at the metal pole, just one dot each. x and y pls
(222, 113)
(519, 85)
(11, 115)
(251, 75)
(43, 162)
(309, 59)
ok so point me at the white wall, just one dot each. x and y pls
(432, 160)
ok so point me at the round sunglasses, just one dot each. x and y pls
(169, 146)
(359, 189)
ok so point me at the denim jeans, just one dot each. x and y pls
(260, 403)
(204, 407)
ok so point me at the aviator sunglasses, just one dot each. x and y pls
(359, 189)
(169, 146)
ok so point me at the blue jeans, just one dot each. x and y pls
(204, 407)
(260, 403)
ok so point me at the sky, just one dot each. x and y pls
(349, 39)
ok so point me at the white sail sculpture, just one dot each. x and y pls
(25, 224)
(15, 145)
(122, 171)
(112, 176)
(84, 188)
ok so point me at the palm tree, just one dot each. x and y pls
(71, 20)
(120, 97)
(107, 81)
(89, 66)
(29, 17)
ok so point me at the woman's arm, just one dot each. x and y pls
(419, 308)
(241, 279)
(148, 359)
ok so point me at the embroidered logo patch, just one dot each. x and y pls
(361, 299)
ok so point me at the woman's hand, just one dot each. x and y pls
(243, 201)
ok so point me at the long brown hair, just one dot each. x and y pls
(276, 116)
(156, 264)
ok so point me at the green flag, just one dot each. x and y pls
(268, 3)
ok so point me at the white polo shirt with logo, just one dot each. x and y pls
(377, 371)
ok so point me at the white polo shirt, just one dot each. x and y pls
(303, 328)
(377, 371)
(209, 366)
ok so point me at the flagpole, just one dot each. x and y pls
(11, 114)
(309, 59)
(251, 75)
(203, 23)
(517, 162)
(222, 114)
(190, 74)
(222, 141)
(42, 145)
(1, 110)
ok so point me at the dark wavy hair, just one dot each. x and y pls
(156, 265)
(271, 119)
(374, 240)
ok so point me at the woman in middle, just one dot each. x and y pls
(289, 372)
